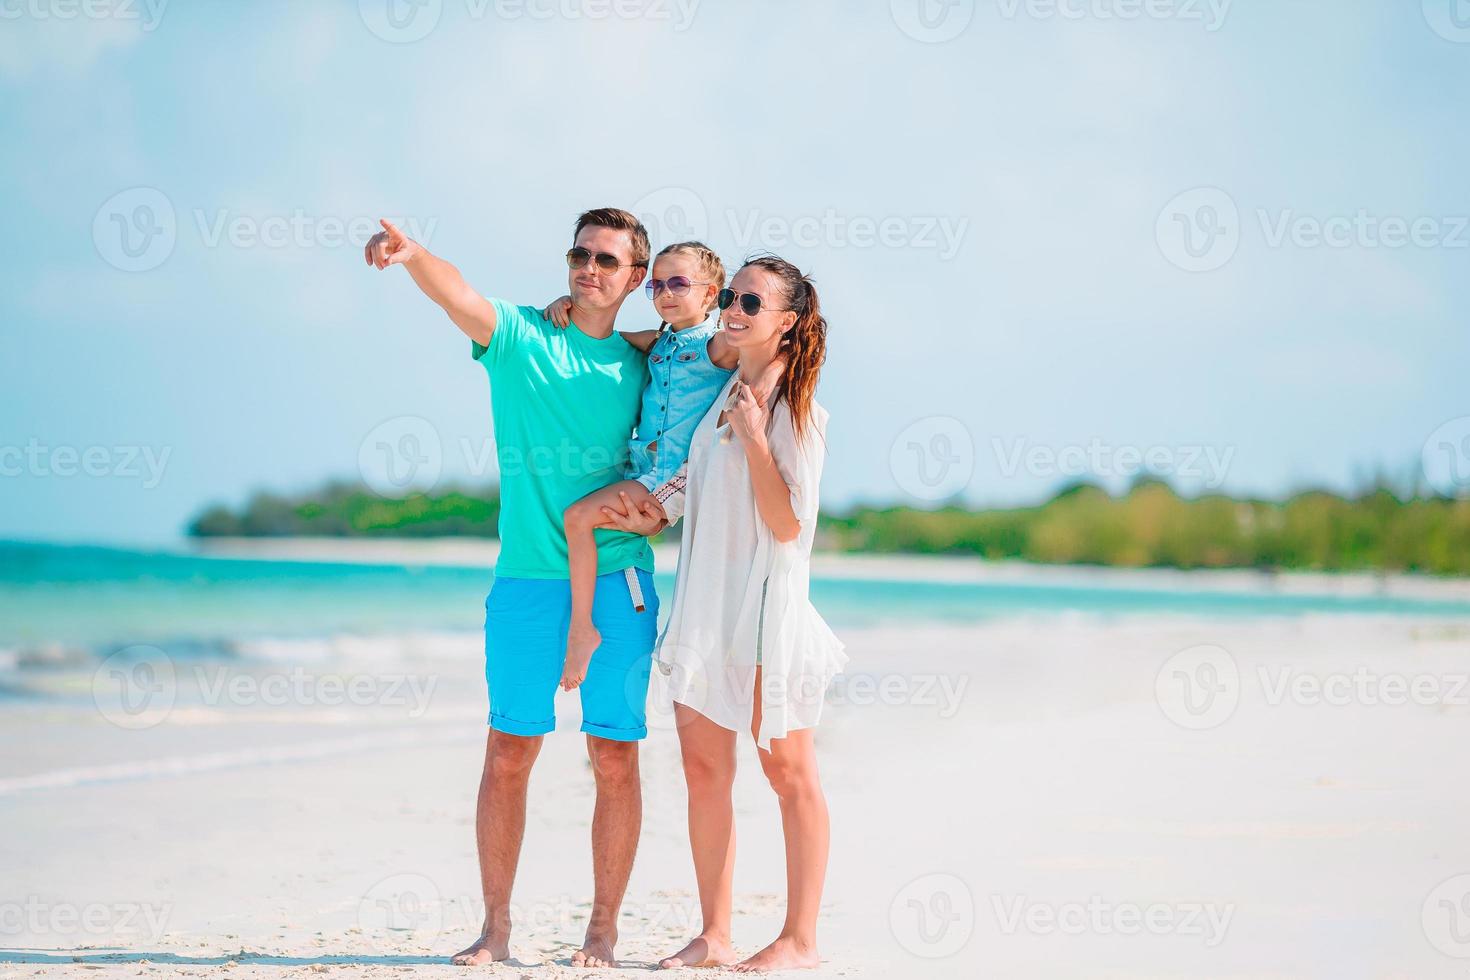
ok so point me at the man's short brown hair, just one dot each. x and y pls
(618, 220)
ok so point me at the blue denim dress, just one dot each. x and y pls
(683, 383)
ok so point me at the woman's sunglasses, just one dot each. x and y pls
(678, 285)
(750, 303)
(606, 261)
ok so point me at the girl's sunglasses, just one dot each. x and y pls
(606, 261)
(678, 285)
(750, 303)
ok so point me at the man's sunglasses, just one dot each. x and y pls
(678, 285)
(750, 303)
(606, 261)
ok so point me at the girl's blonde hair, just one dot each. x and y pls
(711, 269)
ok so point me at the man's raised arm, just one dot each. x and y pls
(440, 281)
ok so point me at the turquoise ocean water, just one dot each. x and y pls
(96, 599)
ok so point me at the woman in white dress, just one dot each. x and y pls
(744, 650)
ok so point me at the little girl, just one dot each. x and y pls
(689, 361)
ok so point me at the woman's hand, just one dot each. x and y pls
(648, 520)
(559, 311)
(748, 417)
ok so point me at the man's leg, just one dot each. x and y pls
(613, 718)
(500, 823)
(616, 823)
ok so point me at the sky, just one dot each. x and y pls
(1225, 242)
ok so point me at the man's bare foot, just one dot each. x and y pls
(582, 640)
(783, 954)
(706, 949)
(481, 951)
(597, 950)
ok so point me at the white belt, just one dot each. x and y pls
(635, 589)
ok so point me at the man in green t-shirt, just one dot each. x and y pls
(564, 403)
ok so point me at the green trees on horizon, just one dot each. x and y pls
(1149, 526)
(346, 510)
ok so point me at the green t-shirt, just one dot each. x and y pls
(564, 405)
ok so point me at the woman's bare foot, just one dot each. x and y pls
(705, 949)
(597, 950)
(481, 951)
(783, 954)
(582, 640)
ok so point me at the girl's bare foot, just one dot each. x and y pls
(481, 951)
(582, 640)
(783, 954)
(705, 949)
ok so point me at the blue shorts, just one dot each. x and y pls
(526, 622)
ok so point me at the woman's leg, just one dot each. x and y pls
(791, 768)
(709, 772)
(580, 519)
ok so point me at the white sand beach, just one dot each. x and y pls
(1034, 797)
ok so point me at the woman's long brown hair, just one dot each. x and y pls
(805, 345)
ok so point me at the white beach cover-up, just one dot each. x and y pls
(738, 586)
